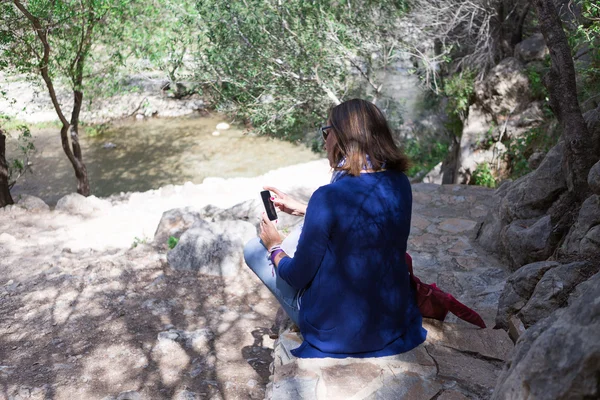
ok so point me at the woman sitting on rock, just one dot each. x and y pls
(347, 285)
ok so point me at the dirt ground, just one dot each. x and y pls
(93, 325)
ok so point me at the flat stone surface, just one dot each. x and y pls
(457, 225)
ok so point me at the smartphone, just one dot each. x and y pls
(269, 206)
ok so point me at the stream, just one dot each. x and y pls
(151, 153)
(139, 155)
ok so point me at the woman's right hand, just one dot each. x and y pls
(286, 203)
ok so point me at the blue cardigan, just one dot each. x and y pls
(358, 301)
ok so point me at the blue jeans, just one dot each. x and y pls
(255, 255)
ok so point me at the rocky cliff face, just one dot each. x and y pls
(556, 302)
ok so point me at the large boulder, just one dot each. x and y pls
(174, 223)
(489, 233)
(251, 211)
(518, 227)
(531, 49)
(518, 290)
(559, 357)
(594, 178)
(583, 232)
(592, 119)
(212, 248)
(552, 291)
(32, 203)
(456, 362)
(74, 203)
(527, 241)
(506, 89)
(532, 195)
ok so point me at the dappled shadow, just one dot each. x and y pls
(129, 322)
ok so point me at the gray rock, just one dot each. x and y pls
(552, 291)
(212, 248)
(74, 203)
(527, 241)
(130, 395)
(593, 178)
(559, 357)
(435, 175)
(174, 223)
(478, 375)
(32, 203)
(535, 159)
(506, 89)
(531, 195)
(406, 386)
(474, 132)
(251, 211)
(186, 395)
(592, 119)
(590, 244)
(516, 329)
(531, 116)
(519, 288)
(531, 49)
(489, 232)
(588, 218)
(295, 389)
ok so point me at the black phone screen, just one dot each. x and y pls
(269, 206)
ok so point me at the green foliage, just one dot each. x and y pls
(424, 156)
(538, 90)
(137, 241)
(172, 242)
(87, 39)
(459, 88)
(518, 150)
(94, 130)
(483, 176)
(279, 66)
(585, 45)
(18, 164)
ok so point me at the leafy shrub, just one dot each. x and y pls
(424, 157)
(483, 176)
(538, 90)
(172, 242)
(518, 150)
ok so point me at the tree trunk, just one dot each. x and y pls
(75, 157)
(83, 184)
(5, 197)
(581, 153)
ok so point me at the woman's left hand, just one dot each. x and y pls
(268, 232)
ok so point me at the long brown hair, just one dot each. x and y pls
(361, 129)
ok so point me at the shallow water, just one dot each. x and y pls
(153, 153)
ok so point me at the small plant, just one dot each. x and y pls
(538, 90)
(518, 150)
(459, 88)
(95, 130)
(424, 157)
(172, 242)
(137, 241)
(483, 176)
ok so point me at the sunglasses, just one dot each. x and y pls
(324, 131)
